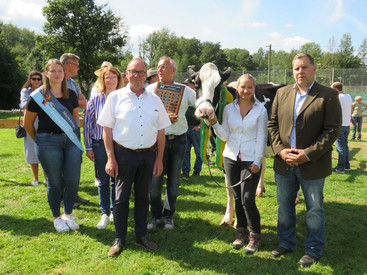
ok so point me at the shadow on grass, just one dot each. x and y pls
(22, 226)
(14, 183)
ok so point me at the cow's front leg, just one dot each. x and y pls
(228, 216)
(261, 185)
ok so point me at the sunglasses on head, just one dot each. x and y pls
(36, 79)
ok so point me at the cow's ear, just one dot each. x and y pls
(225, 75)
(191, 72)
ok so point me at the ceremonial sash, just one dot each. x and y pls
(224, 98)
(59, 114)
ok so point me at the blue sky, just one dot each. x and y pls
(249, 24)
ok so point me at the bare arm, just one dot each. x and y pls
(158, 163)
(111, 165)
(28, 122)
(82, 100)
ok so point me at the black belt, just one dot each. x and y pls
(170, 137)
(150, 149)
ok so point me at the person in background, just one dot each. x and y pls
(192, 139)
(133, 121)
(110, 79)
(357, 117)
(57, 144)
(244, 130)
(152, 76)
(96, 87)
(302, 141)
(34, 81)
(70, 62)
(174, 150)
(342, 140)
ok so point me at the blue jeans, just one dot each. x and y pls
(357, 125)
(172, 162)
(104, 191)
(60, 159)
(192, 138)
(343, 149)
(287, 187)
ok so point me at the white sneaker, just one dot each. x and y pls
(96, 182)
(69, 220)
(111, 218)
(168, 223)
(60, 225)
(34, 183)
(105, 220)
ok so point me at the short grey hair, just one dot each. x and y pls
(171, 61)
(68, 57)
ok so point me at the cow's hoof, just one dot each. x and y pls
(259, 193)
(225, 222)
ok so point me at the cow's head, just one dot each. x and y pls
(207, 84)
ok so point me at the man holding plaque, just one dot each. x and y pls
(177, 98)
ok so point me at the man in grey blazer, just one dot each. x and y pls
(304, 123)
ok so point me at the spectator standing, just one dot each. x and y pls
(110, 79)
(133, 121)
(342, 141)
(192, 139)
(302, 140)
(174, 150)
(357, 117)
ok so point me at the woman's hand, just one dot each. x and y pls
(213, 120)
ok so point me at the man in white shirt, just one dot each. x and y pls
(133, 123)
(174, 150)
(342, 141)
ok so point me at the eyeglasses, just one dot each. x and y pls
(140, 73)
(36, 79)
(77, 65)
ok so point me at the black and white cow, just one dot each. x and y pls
(208, 82)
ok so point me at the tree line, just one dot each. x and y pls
(96, 34)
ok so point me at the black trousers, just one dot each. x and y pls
(134, 168)
(244, 194)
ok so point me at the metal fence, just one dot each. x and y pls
(354, 80)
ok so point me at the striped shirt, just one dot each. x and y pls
(92, 130)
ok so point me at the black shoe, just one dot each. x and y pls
(184, 175)
(338, 170)
(81, 200)
(279, 251)
(195, 174)
(116, 248)
(75, 205)
(307, 260)
(146, 243)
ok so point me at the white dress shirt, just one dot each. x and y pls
(134, 120)
(245, 137)
(188, 99)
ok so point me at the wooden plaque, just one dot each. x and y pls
(171, 96)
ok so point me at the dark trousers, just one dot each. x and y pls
(134, 168)
(244, 194)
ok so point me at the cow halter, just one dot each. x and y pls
(202, 101)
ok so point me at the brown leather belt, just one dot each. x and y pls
(151, 149)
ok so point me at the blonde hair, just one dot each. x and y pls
(100, 83)
(46, 85)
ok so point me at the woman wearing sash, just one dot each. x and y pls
(57, 145)
(109, 80)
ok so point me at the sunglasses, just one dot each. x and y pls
(36, 79)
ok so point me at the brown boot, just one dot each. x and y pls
(254, 244)
(241, 238)
(116, 248)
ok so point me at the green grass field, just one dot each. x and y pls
(30, 245)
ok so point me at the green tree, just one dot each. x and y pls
(157, 44)
(313, 49)
(362, 52)
(239, 59)
(188, 53)
(81, 27)
(212, 52)
(260, 60)
(347, 59)
(10, 74)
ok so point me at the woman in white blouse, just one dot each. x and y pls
(244, 130)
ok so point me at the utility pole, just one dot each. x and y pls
(269, 63)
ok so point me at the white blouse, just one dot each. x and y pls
(245, 137)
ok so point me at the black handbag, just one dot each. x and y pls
(20, 132)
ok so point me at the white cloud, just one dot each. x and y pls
(254, 24)
(288, 25)
(137, 34)
(294, 42)
(276, 35)
(19, 8)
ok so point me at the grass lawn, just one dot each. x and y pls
(30, 245)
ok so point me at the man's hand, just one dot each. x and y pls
(158, 167)
(293, 157)
(90, 155)
(112, 168)
(172, 117)
(196, 128)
